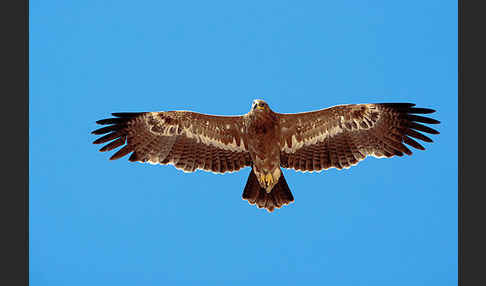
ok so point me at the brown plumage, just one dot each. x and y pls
(336, 137)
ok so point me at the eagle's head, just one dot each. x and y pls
(259, 104)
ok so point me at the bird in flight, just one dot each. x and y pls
(336, 137)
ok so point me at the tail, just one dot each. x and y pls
(278, 197)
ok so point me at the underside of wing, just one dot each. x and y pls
(341, 136)
(185, 139)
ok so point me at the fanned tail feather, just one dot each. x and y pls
(256, 195)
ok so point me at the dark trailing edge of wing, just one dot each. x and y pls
(116, 132)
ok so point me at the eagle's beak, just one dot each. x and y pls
(260, 107)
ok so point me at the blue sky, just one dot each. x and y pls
(100, 222)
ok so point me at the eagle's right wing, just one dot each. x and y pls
(187, 140)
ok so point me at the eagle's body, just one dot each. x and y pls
(263, 144)
(264, 140)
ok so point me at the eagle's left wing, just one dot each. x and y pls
(343, 135)
(185, 139)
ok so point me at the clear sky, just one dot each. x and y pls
(100, 222)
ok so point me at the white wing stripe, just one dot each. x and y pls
(164, 129)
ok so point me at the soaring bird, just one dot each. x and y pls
(336, 137)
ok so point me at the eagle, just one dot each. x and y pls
(266, 141)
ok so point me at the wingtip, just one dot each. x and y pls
(421, 110)
(97, 141)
